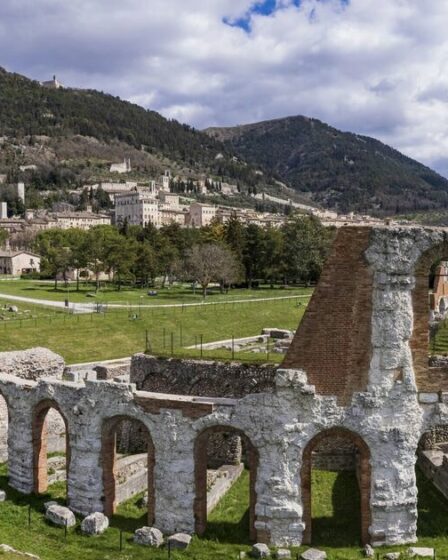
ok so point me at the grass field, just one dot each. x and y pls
(335, 525)
(135, 296)
(118, 333)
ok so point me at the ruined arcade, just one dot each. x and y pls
(357, 370)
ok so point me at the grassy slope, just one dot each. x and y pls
(335, 524)
(85, 338)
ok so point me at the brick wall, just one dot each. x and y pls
(332, 343)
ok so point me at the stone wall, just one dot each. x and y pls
(32, 364)
(381, 398)
(200, 377)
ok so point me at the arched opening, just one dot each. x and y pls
(127, 459)
(432, 483)
(51, 449)
(344, 454)
(216, 447)
(429, 342)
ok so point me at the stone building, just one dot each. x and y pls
(16, 263)
(356, 379)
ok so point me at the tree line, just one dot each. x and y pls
(228, 254)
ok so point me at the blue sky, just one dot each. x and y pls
(376, 67)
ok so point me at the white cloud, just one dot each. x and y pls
(377, 67)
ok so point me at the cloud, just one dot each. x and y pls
(371, 66)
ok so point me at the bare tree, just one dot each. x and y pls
(212, 262)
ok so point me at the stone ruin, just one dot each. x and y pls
(356, 372)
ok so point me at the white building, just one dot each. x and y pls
(124, 167)
(16, 263)
(138, 208)
(201, 215)
(52, 84)
(3, 210)
(165, 181)
(81, 220)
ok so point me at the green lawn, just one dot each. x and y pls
(109, 293)
(117, 333)
(335, 524)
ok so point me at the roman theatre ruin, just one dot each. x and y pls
(356, 378)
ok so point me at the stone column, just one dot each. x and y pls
(20, 446)
(174, 473)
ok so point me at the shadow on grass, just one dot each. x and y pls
(36, 501)
(229, 532)
(432, 509)
(343, 527)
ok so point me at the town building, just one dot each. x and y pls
(137, 208)
(81, 220)
(201, 215)
(124, 167)
(52, 84)
(15, 263)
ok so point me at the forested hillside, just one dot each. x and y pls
(337, 169)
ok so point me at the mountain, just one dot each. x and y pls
(339, 170)
(73, 135)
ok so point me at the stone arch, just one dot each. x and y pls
(40, 444)
(108, 458)
(200, 470)
(427, 379)
(363, 475)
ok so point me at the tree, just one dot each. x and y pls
(305, 246)
(78, 259)
(253, 253)
(98, 238)
(53, 247)
(119, 256)
(3, 236)
(234, 235)
(211, 262)
(145, 266)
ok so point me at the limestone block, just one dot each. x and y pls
(368, 551)
(421, 552)
(428, 398)
(32, 364)
(60, 515)
(283, 553)
(179, 540)
(48, 504)
(149, 536)
(313, 554)
(94, 524)
(392, 556)
(2, 495)
(260, 550)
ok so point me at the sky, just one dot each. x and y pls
(375, 67)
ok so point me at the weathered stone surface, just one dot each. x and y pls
(313, 554)
(260, 550)
(421, 552)
(392, 556)
(368, 551)
(149, 536)
(60, 515)
(32, 364)
(179, 540)
(2, 495)
(50, 503)
(94, 524)
(283, 553)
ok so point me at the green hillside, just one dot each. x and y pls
(337, 169)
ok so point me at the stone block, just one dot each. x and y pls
(149, 536)
(179, 540)
(94, 524)
(48, 504)
(421, 552)
(2, 495)
(60, 515)
(313, 554)
(283, 553)
(368, 551)
(260, 550)
(392, 556)
(428, 398)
